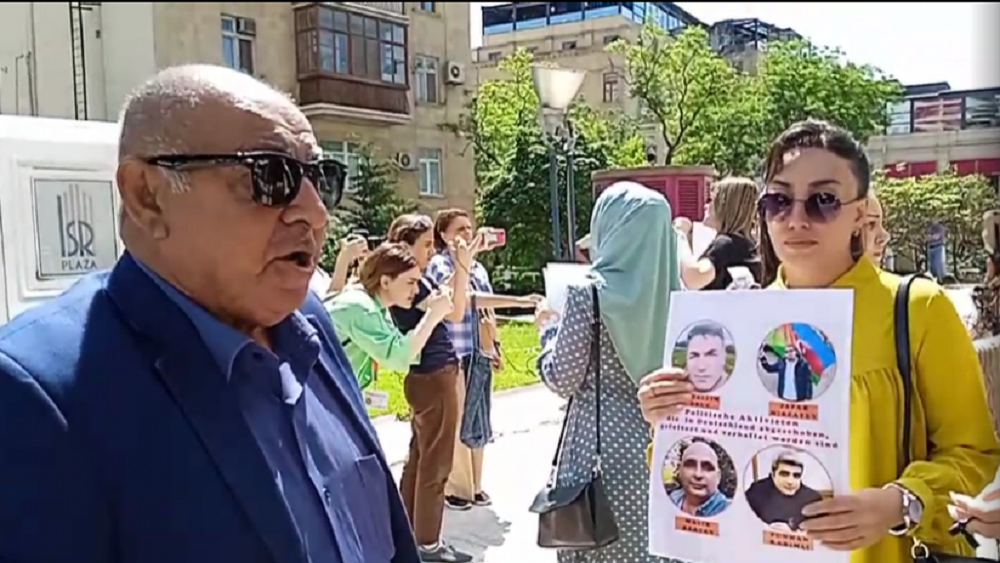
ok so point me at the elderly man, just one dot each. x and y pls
(193, 403)
(699, 476)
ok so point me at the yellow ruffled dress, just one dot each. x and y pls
(954, 446)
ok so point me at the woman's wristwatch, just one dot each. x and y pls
(912, 511)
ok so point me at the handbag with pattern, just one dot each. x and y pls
(578, 517)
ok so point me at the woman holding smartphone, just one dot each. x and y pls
(387, 278)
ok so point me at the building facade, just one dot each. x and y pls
(385, 73)
(936, 128)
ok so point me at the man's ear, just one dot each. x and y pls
(139, 197)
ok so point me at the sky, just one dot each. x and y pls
(916, 43)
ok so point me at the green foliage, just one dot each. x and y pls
(802, 80)
(710, 113)
(512, 166)
(520, 348)
(682, 83)
(910, 205)
(371, 206)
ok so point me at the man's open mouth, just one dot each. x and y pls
(300, 258)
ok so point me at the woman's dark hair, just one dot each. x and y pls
(811, 134)
(388, 259)
(442, 221)
(408, 228)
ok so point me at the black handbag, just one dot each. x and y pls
(578, 517)
(920, 552)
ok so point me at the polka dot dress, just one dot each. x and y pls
(565, 368)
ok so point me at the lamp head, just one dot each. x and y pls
(556, 87)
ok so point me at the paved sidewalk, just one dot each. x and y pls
(514, 412)
(516, 465)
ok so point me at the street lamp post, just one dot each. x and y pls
(556, 88)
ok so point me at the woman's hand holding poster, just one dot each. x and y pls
(767, 433)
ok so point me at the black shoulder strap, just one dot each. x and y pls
(595, 362)
(901, 332)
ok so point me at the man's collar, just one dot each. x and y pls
(223, 341)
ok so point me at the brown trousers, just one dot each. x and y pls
(466, 478)
(434, 415)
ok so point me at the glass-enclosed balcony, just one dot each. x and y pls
(533, 15)
(946, 111)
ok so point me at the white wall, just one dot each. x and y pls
(129, 50)
(36, 54)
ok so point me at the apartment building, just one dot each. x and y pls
(575, 35)
(935, 128)
(388, 73)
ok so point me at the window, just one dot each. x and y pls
(427, 80)
(237, 43)
(427, 6)
(609, 39)
(982, 111)
(338, 42)
(430, 172)
(611, 90)
(568, 45)
(493, 57)
(347, 154)
(899, 118)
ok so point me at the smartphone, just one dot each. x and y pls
(496, 237)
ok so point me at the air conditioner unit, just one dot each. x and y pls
(455, 74)
(405, 160)
(246, 26)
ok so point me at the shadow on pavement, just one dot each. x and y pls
(474, 531)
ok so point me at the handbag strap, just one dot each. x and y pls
(595, 362)
(901, 333)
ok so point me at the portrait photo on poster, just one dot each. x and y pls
(705, 350)
(780, 481)
(699, 477)
(796, 362)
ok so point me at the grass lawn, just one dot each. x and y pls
(519, 341)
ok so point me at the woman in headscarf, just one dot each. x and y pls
(634, 268)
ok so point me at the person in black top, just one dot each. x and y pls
(778, 499)
(730, 211)
(431, 389)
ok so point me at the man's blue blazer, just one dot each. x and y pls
(121, 443)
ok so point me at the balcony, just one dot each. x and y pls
(352, 63)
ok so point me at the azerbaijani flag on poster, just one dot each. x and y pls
(810, 344)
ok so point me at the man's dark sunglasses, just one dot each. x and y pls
(276, 178)
(820, 207)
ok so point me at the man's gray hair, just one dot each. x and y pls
(158, 115)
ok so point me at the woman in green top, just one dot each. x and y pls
(360, 313)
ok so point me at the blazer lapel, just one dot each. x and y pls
(186, 367)
(343, 394)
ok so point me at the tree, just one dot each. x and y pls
(512, 164)
(801, 80)
(910, 205)
(680, 81)
(712, 114)
(371, 206)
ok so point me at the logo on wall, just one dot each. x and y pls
(74, 227)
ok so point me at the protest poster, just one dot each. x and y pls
(768, 430)
(558, 277)
(701, 236)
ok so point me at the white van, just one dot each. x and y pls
(58, 206)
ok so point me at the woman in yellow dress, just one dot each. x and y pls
(812, 216)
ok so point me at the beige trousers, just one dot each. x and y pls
(466, 478)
